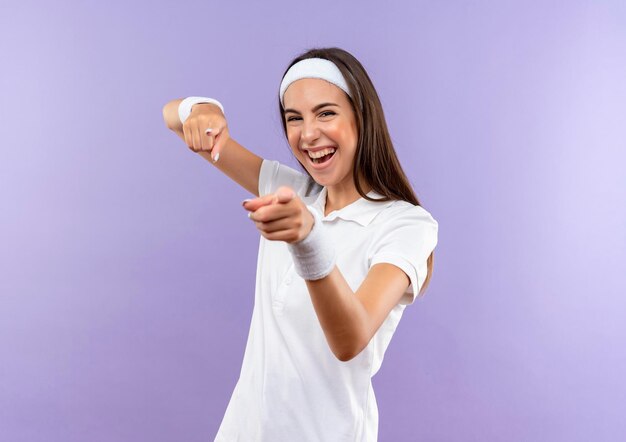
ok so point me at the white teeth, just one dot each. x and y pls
(321, 153)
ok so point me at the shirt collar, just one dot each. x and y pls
(361, 211)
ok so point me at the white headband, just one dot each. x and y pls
(314, 68)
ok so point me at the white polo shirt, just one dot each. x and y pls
(292, 388)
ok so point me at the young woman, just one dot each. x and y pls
(344, 247)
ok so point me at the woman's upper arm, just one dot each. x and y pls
(380, 292)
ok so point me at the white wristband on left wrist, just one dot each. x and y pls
(184, 108)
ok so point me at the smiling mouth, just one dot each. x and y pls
(323, 159)
(315, 158)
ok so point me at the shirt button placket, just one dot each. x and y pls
(289, 275)
(283, 288)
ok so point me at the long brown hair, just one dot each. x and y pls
(375, 156)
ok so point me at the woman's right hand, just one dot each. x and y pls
(206, 129)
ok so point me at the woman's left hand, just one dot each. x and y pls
(280, 216)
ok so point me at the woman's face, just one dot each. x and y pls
(318, 114)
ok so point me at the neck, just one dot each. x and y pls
(340, 195)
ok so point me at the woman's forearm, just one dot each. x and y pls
(342, 316)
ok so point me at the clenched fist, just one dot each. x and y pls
(206, 129)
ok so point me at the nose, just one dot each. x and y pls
(310, 132)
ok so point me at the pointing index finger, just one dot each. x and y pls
(256, 203)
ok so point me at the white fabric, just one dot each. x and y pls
(184, 107)
(314, 257)
(313, 68)
(291, 386)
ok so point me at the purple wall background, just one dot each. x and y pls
(127, 263)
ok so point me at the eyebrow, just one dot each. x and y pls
(319, 106)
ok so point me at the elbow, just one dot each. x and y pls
(346, 358)
(170, 114)
(351, 344)
(350, 352)
(165, 117)
(347, 355)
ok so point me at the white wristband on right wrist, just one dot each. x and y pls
(184, 108)
(314, 257)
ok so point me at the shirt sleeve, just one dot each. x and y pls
(406, 240)
(274, 174)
